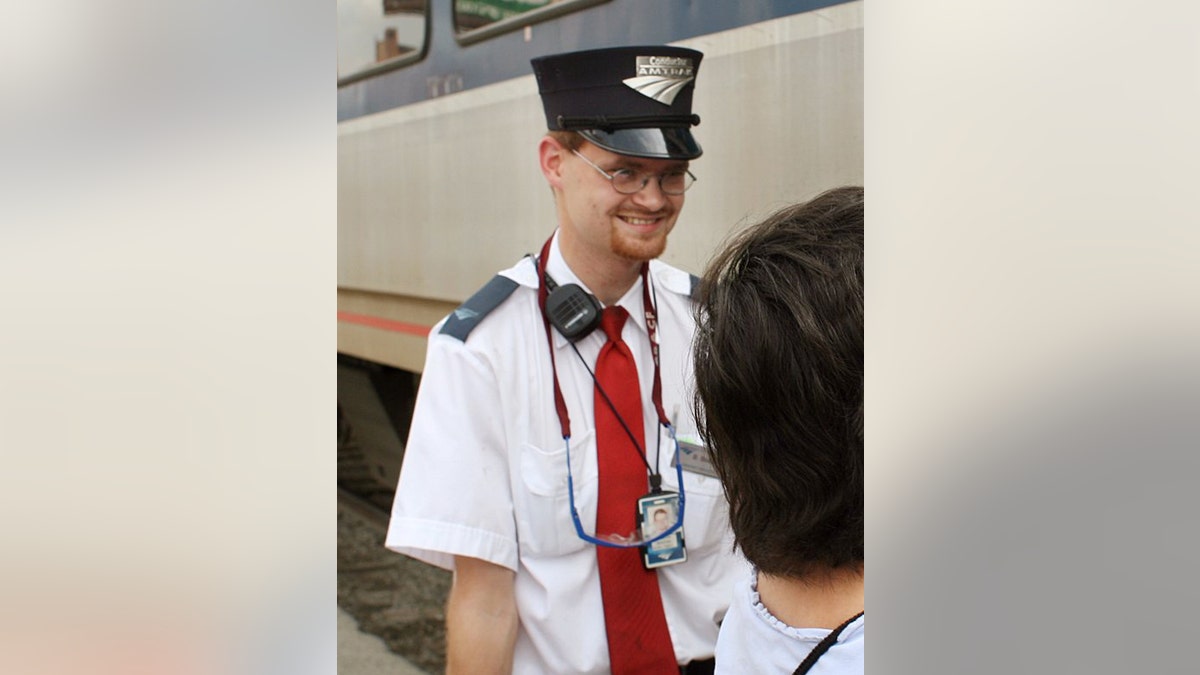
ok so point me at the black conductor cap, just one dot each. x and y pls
(633, 101)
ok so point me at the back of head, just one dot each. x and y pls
(779, 377)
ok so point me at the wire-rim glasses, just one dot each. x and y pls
(629, 182)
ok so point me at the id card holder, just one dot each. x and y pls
(656, 513)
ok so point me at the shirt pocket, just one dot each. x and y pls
(543, 507)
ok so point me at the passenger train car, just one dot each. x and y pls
(438, 182)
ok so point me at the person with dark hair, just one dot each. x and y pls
(544, 431)
(779, 378)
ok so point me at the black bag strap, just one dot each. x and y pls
(823, 646)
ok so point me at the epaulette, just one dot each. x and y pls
(468, 315)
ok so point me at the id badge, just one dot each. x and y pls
(656, 513)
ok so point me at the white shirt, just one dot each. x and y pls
(755, 642)
(485, 472)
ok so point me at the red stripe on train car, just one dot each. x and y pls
(385, 324)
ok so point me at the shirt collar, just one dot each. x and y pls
(632, 300)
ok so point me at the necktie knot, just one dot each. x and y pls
(612, 320)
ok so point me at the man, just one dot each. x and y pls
(779, 358)
(661, 520)
(537, 435)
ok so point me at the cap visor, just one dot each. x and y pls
(673, 143)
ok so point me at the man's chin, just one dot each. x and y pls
(639, 250)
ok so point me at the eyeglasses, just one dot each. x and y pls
(628, 181)
(647, 534)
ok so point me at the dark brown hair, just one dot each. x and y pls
(779, 379)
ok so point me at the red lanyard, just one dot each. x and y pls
(560, 405)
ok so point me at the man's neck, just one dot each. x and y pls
(608, 279)
(822, 600)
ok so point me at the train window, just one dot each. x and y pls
(476, 20)
(378, 35)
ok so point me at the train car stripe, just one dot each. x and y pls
(384, 324)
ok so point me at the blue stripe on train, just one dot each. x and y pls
(450, 65)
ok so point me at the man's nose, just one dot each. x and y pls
(651, 195)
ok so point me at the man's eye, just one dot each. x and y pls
(624, 173)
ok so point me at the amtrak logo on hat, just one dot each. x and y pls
(661, 77)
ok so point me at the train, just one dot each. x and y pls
(438, 119)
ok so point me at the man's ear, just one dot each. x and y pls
(550, 155)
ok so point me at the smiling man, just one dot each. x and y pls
(546, 423)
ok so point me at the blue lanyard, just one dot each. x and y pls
(634, 541)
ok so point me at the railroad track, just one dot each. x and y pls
(355, 476)
(398, 598)
(367, 508)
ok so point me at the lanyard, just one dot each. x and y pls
(823, 646)
(560, 406)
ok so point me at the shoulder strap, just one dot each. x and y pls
(468, 315)
(823, 646)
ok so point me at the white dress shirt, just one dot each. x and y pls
(485, 471)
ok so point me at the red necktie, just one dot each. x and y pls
(638, 639)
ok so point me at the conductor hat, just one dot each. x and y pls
(633, 101)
